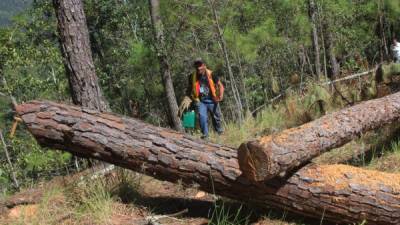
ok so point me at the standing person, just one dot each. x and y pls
(396, 50)
(205, 91)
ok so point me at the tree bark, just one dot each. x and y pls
(338, 193)
(78, 61)
(333, 67)
(280, 153)
(165, 67)
(314, 36)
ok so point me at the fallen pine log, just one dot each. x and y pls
(277, 154)
(338, 193)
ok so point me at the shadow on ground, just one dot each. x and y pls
(164, 198)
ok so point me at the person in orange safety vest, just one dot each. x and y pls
(206, 92)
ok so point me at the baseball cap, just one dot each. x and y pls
(198, 62)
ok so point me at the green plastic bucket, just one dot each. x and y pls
(189, 119)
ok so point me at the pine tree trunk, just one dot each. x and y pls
(314, 36)
(76, 51)
(384, 52)
(334, 67)
(338, 193)
(165, 67)
(279, 154)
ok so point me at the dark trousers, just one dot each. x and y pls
(205, 106)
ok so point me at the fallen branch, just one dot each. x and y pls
(350, 77)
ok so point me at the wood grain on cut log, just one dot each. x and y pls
(342, 194)
(277, 154)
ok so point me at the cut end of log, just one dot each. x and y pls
(253, 161)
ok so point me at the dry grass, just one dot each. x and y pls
(297, 108)
(89, 202)
(388, 163)
(268, 121)
(53, 208)
(389, 160)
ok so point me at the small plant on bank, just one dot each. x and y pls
(95, 202)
